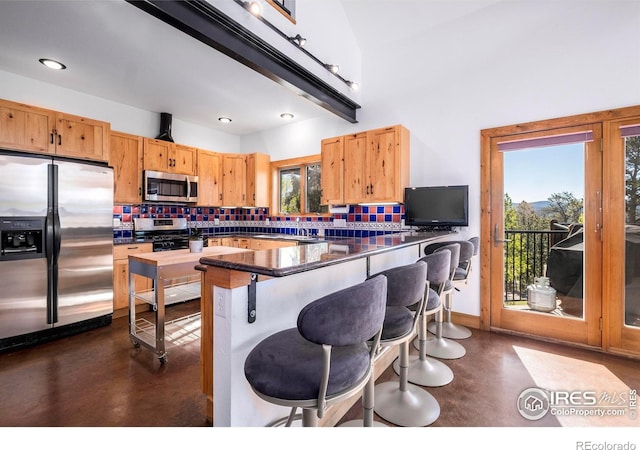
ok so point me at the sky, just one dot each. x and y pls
(533, 175)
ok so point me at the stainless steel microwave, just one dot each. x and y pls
(170, 187)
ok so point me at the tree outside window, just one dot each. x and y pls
(290, 191)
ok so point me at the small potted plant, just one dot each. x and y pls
(195, 241)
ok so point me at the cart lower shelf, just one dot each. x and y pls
(179, 331)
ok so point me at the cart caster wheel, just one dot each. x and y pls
(136, 344)
(163, 359)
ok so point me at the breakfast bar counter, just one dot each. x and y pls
(248, 296)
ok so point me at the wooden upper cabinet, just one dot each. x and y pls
(356, 179)
(387, 164)
(32, 129)
(156, 154)
(165, 156)
(376, 166)
(125, 156)
(209, 178)
(185, 160)
(332, 161)
(258, 180)
(80, 137)
(28, 128)
(234, 175)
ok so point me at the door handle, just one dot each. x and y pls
(496, 238)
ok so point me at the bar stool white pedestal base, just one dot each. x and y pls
(451, 330)
(428, 372)
(442, 348)
(413, 407)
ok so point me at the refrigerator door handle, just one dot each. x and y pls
(52, 244)
(51, 272)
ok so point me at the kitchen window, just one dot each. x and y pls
(298, 186)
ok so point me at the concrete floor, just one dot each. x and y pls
(98, 379)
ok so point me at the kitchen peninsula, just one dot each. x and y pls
(249, 296)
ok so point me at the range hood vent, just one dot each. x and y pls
(165, 127)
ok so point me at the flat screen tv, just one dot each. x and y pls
(437, 207)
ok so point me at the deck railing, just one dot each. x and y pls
(525, 258)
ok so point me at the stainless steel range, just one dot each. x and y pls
(165, 234)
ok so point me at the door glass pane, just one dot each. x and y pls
(290, 191)
(632, 232)
(544, 217)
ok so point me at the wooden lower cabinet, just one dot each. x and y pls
(121, 277)
(253, 244)
(263, 244)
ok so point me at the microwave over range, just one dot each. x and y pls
(170, 187)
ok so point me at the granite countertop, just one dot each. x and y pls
(239, 234)
(330, 250)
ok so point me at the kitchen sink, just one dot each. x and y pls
(289, 237)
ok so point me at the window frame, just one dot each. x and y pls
(285, 7)
(302, 163)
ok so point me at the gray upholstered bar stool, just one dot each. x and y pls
(326, 359)
(399, 402)
(425, 370)
(458, 279)
(439, 346)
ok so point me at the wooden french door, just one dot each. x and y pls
(514, 314)
(622, 236)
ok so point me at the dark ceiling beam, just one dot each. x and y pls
(209, 25)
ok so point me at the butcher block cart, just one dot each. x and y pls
(174, 280)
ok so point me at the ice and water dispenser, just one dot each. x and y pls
(22, 238)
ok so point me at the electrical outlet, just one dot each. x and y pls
(339, 222)
(216, 221)
(221, 309)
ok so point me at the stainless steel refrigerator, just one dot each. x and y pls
(56, 247)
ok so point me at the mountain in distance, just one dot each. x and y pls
(537, 206)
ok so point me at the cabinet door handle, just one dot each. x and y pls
(59, 139)
(220, 196)
(372, 189)
(52, 138)
(367, 189)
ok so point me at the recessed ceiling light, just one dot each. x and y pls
(224, 119)
(287, 116)
(52, 64)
